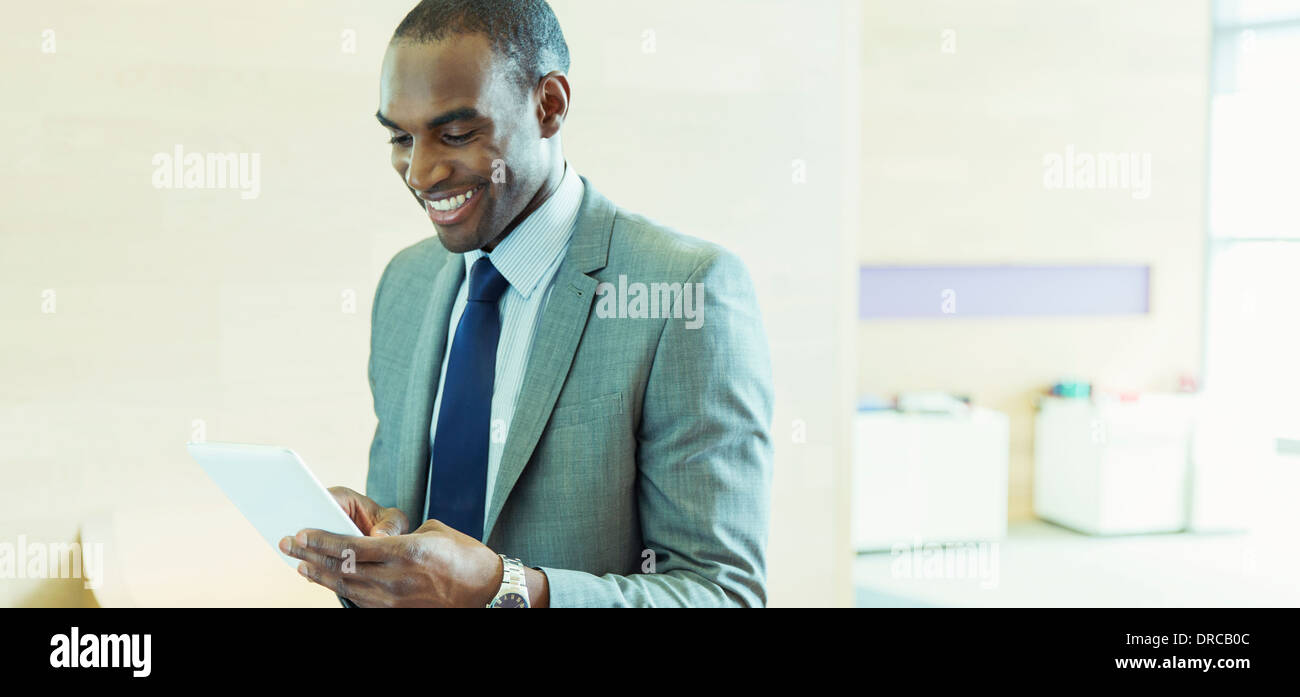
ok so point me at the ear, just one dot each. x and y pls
(552, 102)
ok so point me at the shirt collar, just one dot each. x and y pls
(525, 255)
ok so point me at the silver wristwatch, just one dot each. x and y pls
(514, 589)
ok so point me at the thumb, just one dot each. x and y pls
(432, 525)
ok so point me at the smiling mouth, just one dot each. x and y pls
(449, 210)
(452, 203)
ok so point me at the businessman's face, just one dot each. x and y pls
(466, 137)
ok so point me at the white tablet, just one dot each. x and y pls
(274, 490)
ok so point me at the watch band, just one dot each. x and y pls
(513, 572)
(513, 583)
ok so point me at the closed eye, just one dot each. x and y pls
(458, 139)
(401, 139)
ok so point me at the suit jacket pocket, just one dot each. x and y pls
(590, 410)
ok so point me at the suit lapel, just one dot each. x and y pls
(422, 388)
(562, 323)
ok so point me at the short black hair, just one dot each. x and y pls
(524, 31)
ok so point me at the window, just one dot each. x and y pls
(1253, 307)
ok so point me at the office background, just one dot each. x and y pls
(813, 138)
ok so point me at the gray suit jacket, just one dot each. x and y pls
(637, 470)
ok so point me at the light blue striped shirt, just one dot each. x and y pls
(528, 258)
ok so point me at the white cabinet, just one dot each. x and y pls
(920, 478)
(1113, 467)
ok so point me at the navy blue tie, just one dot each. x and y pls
(458, 464)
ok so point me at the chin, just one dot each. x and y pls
(453, 245)
(457, 244)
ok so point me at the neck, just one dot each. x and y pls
(548, 187)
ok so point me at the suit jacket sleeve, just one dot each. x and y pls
(374, 487)
(704, 460)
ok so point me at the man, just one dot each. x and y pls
(558, 437)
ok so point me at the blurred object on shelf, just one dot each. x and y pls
(874, 402)
(932, 402)
(1072, 389)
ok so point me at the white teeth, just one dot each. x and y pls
(452, 203)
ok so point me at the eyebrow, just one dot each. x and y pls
(461, 114)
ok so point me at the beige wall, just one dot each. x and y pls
(181, 309)
(953, 152)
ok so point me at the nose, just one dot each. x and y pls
(426, 167)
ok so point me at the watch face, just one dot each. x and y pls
(510, 600)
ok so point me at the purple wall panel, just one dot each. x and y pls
(1002, 291)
